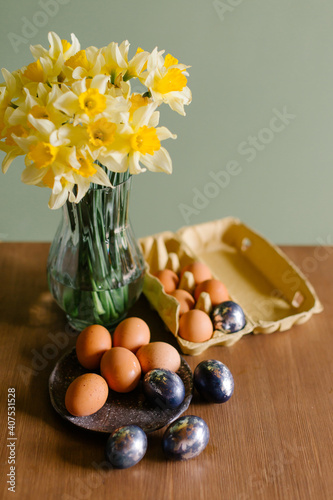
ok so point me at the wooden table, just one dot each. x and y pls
(271, 440)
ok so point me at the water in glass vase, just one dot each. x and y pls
(104, 307)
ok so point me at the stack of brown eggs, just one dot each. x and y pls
(119, 362)
(197, 293)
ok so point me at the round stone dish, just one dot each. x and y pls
(120, 409)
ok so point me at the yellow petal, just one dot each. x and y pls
(17, 130)
(92, 102)
(34, 72)
(173, 80)
(145, 140)
(42, 154)
(137, 101)
(87, 168)
(65, 45)
(78, 60)
(101, 132)
(48, 178)
(38, 112)
(170, 61)
(139, 51)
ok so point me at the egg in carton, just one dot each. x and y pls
(165, 251)
(271, 290)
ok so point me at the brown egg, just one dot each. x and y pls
(169, 280)
(200, 271)
(195, 326)
(121, 369)
(86, 395)
(158, 355)
(217, 291)
(91, 344)
(185, 300)
(131, 333)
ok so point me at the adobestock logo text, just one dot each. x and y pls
(279, 121)
(249, 148)
(30, 27)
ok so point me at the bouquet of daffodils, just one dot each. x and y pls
(73, 115)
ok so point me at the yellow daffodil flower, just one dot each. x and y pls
(145, 140)
(101, 132)
(42, 154)
(78, 60)
(81, 104)
(136, 65)
(92, 102)
(85, 63)
(58, 48)
(139, 142)
(166, 80)
(12, 91)
(34, 72)
(115, 59)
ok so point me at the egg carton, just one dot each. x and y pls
(272, 291)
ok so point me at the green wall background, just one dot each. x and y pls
(251, 60)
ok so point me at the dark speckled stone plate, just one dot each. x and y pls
(119, 409)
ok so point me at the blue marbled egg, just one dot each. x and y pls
(228, 317)
(126, 446)
(185, 438)
(163, 388)
(214, 381)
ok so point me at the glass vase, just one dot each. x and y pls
(95, 266)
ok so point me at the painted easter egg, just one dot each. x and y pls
(163, 388)
(214, 381)
(126, 446)
(185, 438)
(228, 317)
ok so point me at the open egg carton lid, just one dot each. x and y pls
(271, 290)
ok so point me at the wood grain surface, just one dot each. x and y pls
(271, 440)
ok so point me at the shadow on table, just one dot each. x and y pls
(69, 443)
(87, 449)
(25, 299)
(155, 451)
(81, 447)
